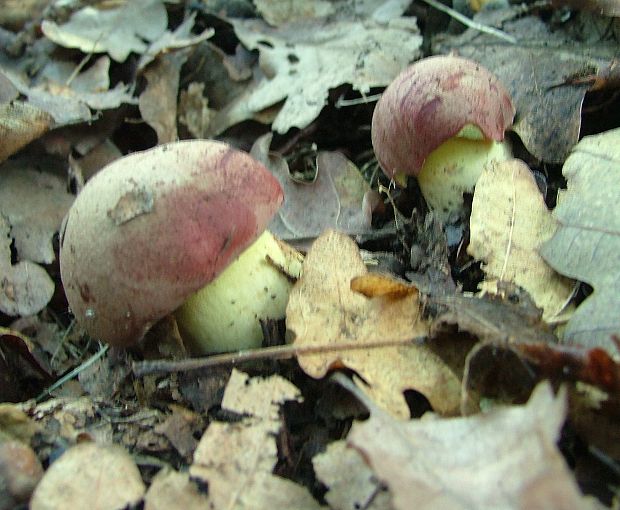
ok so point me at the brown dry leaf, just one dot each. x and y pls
(158, 102)
(117, 31)
(179, 429)
(236, 460)
(170, 490)
(194, 111)
(335, 199)
(90, 475)
(20, 123)
(505, 459)
(350, 482)
(324, 311)
(25, 288)
(34, 203)
(509, 222)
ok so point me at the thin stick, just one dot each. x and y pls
(90, 361)
(141, 368)
(360, 100)
(471, 23)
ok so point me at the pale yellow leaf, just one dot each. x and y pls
(509, 222)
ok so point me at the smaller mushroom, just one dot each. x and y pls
(153, 228)
(442, 119)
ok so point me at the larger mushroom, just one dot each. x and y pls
(440, 118)
(154, 227)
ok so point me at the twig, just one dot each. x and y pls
(90, 361)
(141, 368)
(471, 23)
(360, 100)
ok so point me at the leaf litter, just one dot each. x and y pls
(450, 377)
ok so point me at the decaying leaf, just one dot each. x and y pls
(90, 475)
(323, 310)
(509, 222)
(236, 460)
(506, 458)
(117, 31)
(278, 13)
(158, 102)
(20, 123)
(25, 288)
(171, 489)
(67, 93)
(350, 482)
(34, 203)
(302, 61)
(586, 245)
(604, 7)
(335, 199)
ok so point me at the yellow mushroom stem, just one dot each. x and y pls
(225, 315)
(454, 167)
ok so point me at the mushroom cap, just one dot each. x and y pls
(154, 227)
(429, 103)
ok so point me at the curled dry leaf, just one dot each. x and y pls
(154, 227)
(509, 222)
(432, 101)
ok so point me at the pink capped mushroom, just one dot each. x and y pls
(153, 228)
(441, 115)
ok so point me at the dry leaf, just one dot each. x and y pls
(171, 490)
(236, 460)
(335, 199)
(20, 123)
(350, 481)
(586, 245)
(302, 61)
(90, 475)
(68, 95)
(324, 311)
(117, 31)
(276, 12)
(509, 222)
(158, 102)
(34, 203)
(25, 288)
(504, 459)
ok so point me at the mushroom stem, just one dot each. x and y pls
(225, 315)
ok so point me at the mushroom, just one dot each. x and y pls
(441, 120)
(153, 228)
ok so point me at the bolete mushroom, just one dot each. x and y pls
(153, 228)
(441, 120)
